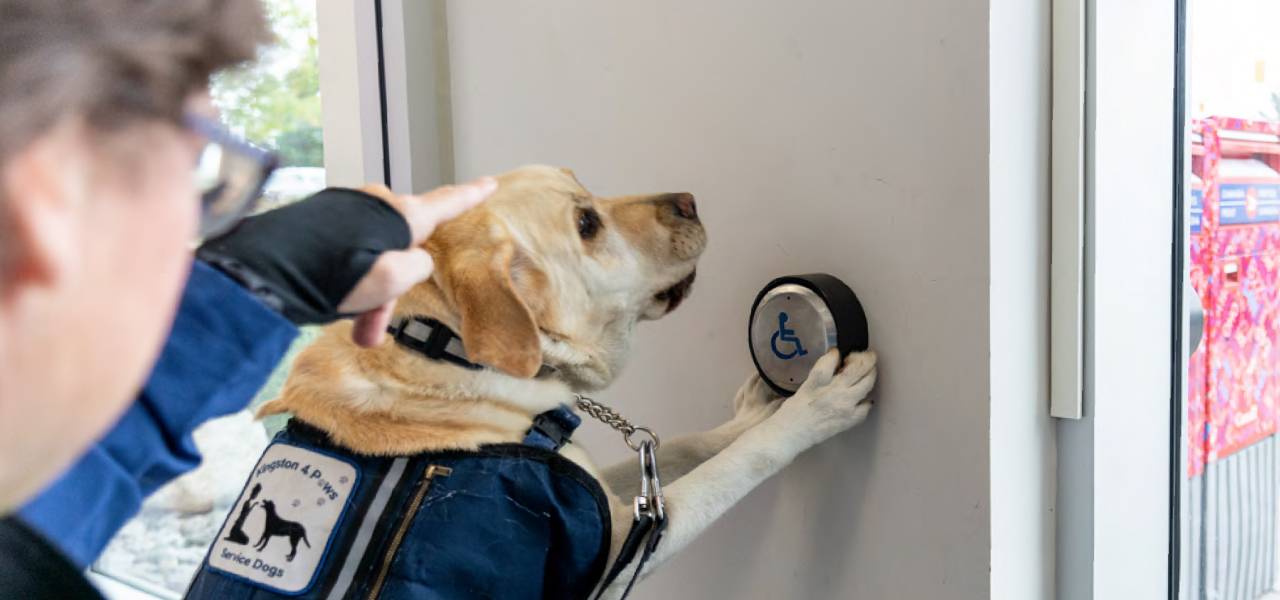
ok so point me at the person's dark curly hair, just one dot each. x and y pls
(113, 62)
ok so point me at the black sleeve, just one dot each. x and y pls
(303, 259)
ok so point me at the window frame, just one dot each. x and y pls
(352, 85)
(1116, 517)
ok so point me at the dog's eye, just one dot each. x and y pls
(588, 223)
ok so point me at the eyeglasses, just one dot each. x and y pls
(229, 175)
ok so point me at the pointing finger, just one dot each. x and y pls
(370, 326)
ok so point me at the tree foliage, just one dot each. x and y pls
(275, 101)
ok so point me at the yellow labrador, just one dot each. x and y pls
(545, 284)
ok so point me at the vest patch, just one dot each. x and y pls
(279, 529)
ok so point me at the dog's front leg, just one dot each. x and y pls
(754, 403)
(828, 403)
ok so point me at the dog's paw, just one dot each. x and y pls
(831, 400)
(755, 402)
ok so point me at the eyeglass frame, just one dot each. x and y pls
(214, 132)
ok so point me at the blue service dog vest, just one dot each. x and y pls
(508, 521)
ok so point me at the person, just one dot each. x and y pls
(114, 342)
(237, 534)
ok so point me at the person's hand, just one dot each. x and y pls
(395, 271)
(341, 252)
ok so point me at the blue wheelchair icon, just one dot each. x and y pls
(786, 335)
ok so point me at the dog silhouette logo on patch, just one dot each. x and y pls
(277, 526)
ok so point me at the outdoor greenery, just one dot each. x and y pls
(275, 101)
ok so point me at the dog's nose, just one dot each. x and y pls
(685, 206)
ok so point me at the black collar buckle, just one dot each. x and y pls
(430, 338)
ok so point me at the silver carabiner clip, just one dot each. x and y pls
(643, 505)
(649, 462)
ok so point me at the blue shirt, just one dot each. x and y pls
(223, 347)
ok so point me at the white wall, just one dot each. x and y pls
(846, 137)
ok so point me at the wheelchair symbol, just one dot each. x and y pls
(786, 335)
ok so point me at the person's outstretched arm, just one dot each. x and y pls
(340, 253)
(223, 347)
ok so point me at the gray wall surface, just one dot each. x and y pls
(848, 137)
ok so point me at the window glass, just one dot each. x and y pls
(1232, 381)
(274, 103)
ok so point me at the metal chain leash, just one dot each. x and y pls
(619, 423)
(649, 508)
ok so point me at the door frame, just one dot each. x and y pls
(1116, 470)
(351, 84)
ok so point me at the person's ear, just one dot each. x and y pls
(41, 189)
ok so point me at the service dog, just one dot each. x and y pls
(544, 285)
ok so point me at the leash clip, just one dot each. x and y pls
(649, 464)
(626, 437)
(649, 510)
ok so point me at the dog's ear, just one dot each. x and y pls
(498, 327)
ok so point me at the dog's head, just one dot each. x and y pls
(546, 273)
(269, 505)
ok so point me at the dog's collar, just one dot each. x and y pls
(436, 341)
(432, 339)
